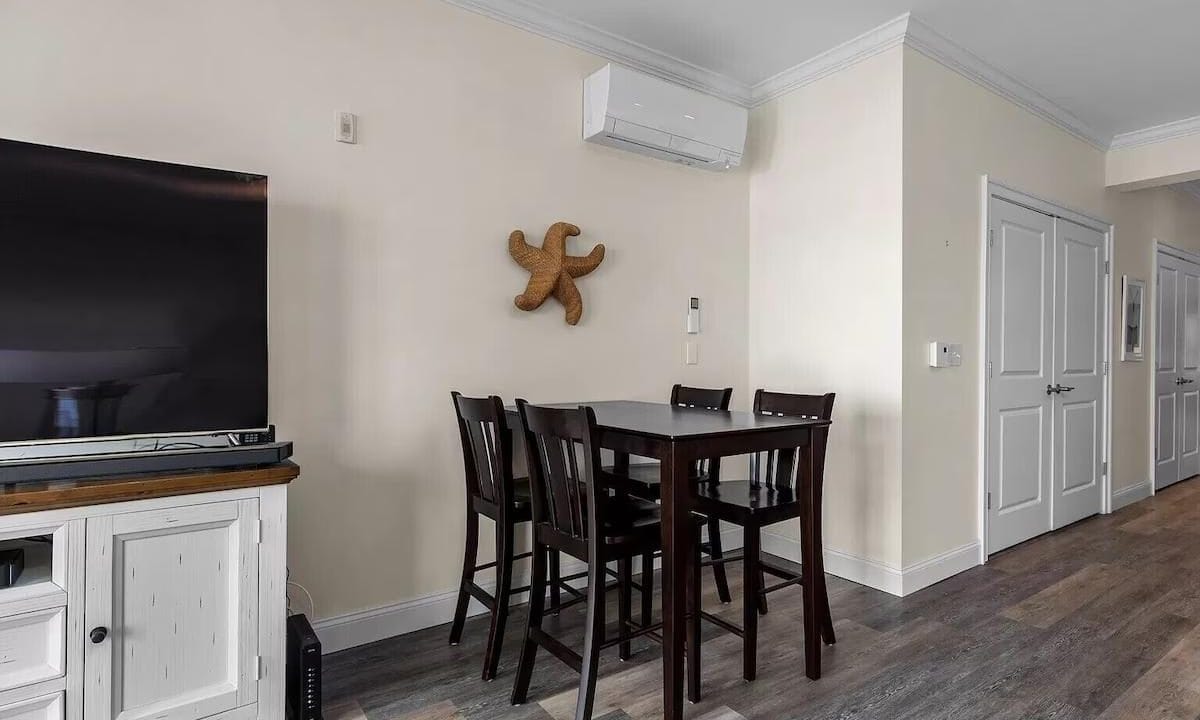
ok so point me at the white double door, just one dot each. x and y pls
(1177, 369)
(1046, 333)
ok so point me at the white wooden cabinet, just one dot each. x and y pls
(161, 609)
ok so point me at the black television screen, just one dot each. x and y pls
(133, 296)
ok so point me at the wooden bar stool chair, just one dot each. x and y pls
(492, 492)
(772, 496)
(643, 480)
(574, 512)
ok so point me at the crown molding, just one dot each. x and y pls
(906, 29)
(938, 47)
(1158, 133)
(872, 42)
(589, 38)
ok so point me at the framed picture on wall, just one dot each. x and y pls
(1133, 296)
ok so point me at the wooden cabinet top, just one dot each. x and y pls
(57, 494)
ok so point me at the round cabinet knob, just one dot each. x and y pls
(98, 634)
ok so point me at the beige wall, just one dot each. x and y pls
(1177, 219)
(1169, 161)
(851, 241)
(955, 131)
(825, 252)
(391, 283)
(1133, 214)
(1141, 217)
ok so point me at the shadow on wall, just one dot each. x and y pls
(309, 393)
(856, 491)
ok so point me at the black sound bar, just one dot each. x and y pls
(132, 463)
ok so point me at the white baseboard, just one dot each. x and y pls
(367, 626)
(872, 573)
(864, 571)
(1130, 495)
(856, 569)
(939, 567)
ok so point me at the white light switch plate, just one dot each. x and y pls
(347, 128)
(691, 353)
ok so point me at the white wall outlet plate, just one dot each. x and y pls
(347, 128)
(943, 354)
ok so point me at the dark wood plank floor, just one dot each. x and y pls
(1099, 620)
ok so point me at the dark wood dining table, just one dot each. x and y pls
(678, 436)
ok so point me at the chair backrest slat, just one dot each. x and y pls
(781, 465)
(487, 448)
(705, 399)
(563, 452)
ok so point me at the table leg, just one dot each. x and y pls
(676, 541)
(810, 565)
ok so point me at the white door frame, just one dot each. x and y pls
(992, 188)
(1152, 338)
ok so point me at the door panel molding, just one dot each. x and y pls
(1176, 362)
(1081, 352)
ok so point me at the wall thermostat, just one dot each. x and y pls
(693, 318)
(943, 354)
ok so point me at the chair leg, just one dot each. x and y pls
(827, 633)
(504, 568)
(624, 603)
(750, 605)
(537, 602)
(693, 630)
(592, 640)
(716, 553)
(647, 588)
(470, 560)
(555, 581)
(762, 596)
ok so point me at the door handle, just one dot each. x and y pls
(1050, 389)
(98, 634)
(1183, 381)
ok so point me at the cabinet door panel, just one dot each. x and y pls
(177, 591)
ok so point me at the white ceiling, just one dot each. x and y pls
(1117, 65)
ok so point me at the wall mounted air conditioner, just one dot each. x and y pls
(626, 109)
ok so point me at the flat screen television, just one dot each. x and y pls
(133, 297)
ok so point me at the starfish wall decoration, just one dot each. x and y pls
(552, 270)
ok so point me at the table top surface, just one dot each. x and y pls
(671, 422)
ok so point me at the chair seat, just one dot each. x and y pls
(631, 518)
(742, 502)
(522, 502)
(644, 480)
